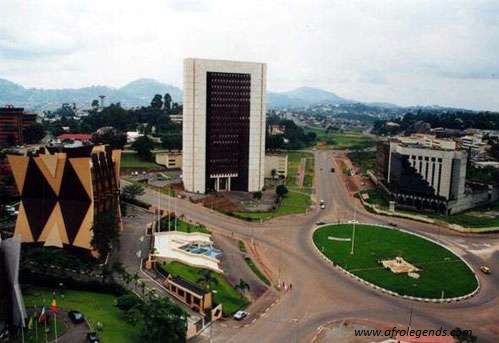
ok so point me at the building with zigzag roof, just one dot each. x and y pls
(62, 190)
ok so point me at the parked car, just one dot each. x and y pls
(485, 269)
(323, 206)
(240, 315)
(320, 223)
(76, 317)
(92, 337)
(332, 170)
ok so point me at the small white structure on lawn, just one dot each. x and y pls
(195, 249)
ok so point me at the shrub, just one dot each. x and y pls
(127, 302)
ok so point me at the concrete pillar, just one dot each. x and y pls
(228, 184)
(217, 184)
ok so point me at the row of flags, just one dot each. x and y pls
(42, 317)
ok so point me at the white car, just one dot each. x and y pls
(323, 206)
(240, 315)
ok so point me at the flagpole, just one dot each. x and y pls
(55, 327)
(175, 205)
(36, 326)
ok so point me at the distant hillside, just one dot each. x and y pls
(304, 96)
(136, 93)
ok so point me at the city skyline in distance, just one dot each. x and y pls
(406, 53)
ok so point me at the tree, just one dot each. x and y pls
(164, 321)
(143, 145)
(34, 133)
(171, 141)
(257, 195)
(207, 278)
(157, 102)
(95, 104)
(110, 136)
(105, 233)
(132, 191)
(168, 102)
(281, 191)
(242, 286)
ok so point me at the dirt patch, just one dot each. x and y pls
(398, 266)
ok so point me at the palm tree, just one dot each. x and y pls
(207, 278)
(242, 286)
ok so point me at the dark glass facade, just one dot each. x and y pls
(227, 128)
(405, 179)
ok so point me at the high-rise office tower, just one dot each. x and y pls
(223, 125)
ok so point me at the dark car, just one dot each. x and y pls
(332, 170)
(76, 317)
(92, 337)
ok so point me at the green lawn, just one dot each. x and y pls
(95, 306)
(475, 218)
(365, 160)
(440, 271)
(256, 270)
(37, 332)
(291, 203)
(224, 292)
(182, 225)
(133, 161)
(298, 199)
(294, 158)
(242, 247)
(353, 140)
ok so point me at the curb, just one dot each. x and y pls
(386, 291)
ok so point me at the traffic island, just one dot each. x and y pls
(396, 261)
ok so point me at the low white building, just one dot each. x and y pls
(277, 162)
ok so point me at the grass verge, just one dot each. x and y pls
(224, 293)
(256, 270)
(130, 160)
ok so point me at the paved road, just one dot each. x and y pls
(322, 294)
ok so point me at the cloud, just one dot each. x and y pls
(407, 52)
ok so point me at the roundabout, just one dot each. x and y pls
(396, 260)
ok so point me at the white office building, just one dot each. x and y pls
(223, 125)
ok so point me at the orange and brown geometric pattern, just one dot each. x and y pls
(57, 194)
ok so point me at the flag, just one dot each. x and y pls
(42, 318)
(30, 323)
(53, 307)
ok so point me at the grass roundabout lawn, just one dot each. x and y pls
(440, 270)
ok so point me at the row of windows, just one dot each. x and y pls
(426, 158)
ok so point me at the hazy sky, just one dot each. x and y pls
(405, 52)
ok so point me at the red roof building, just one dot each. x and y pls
(82, 137)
